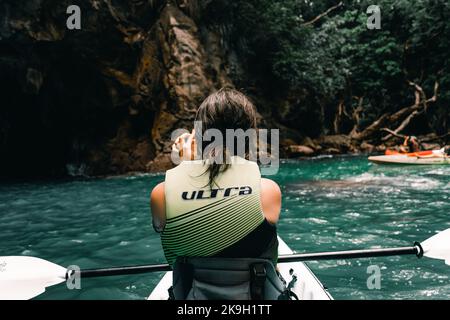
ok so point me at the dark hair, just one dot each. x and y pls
(447, 150)
(222, 110)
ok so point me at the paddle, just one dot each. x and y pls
(24, 277)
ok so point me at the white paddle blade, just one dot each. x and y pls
(23, 278)
(438, 246)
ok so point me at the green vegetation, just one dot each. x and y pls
(336, 60)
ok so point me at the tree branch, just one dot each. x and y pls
(375, 126)
(436, 138)
(394, 133)
(421, 99)
(338, 116)
(403, 125)
(356, 116)
(436, 92)
(320, 16)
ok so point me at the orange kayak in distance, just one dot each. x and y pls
(410, 154)
(417, 158)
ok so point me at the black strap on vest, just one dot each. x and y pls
(171, 294)
(227, 278)
(288, 294)
(258, 279)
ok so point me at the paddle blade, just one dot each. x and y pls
(438, 246)
(23, 278)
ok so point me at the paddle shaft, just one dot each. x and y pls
(350, 254)
(118, 271)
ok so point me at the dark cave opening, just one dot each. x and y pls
(55, 105)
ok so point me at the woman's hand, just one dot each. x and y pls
(185, 146)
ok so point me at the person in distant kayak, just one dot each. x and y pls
(410, 144)
(208, 209)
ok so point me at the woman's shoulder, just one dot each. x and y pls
(158, 190)
(270, 185)
(270, 200)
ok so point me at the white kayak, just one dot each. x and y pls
(407, 159)
(307, 287)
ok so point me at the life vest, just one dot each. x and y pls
(207, 221)
(228, 279)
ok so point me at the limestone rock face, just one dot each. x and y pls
(104, 98)
(186, 81)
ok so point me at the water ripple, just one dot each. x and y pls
(328, 204)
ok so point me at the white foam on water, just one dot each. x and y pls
(91, 234)
(352, 214)
(324, 156)
(429, 293)
(413, 182)
(316, 220)
(333, 195)
(424, 184)
(367, 177)
(440, 171)
(389, 190)
(362, 240)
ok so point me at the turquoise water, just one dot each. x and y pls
(328, 203)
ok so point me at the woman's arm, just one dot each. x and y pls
(270, 200)
(185, 147)
(158, 207)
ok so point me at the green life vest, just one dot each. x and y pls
(202, 221)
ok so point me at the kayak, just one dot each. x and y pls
(307, 287)
(411, 154)
(409, 159)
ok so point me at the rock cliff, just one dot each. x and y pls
(103, 99)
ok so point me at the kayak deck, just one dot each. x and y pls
(405, 159)
(307, 287)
